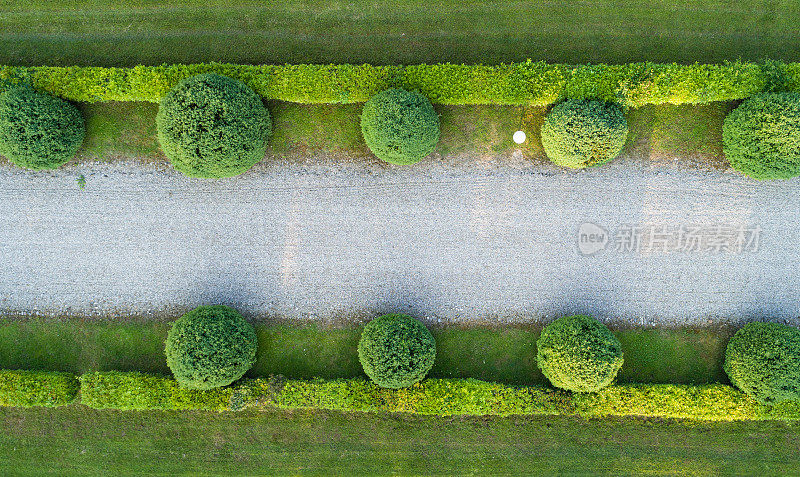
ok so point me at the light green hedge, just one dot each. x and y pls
(446, 397)
(528, 83)
(439, 397)
(715, 402)
(131, 390)
(37, 388)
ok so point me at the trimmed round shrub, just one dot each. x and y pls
(761, 138)
(399, 126)
(396, 351)
(212, 126)
(578, 353)
(584, 133)
(763, 360)
(209, 347)
(37, 130)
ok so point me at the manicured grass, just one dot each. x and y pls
(685, 356)
(78, 346)
(506, 354)
(691, 134)
(111, 33)
(75, 440)
(308, 351)
(309, 128)
(480, 131)
(115, 130)
(487, 130)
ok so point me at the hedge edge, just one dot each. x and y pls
(525, 83)
(440, 397)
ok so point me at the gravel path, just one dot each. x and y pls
(443, 243)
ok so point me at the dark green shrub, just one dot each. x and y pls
(38, 131)
(212, 126)
(37, 388)
(763, 360)
(579, 354)
(396, 350)
(399, 126)
(761, 137)
(211, 346)
(583, 133)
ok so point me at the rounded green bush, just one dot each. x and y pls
(399, 126)
(37, 130)
(584, 133)
(579, 354)
(763, 360)
(212, 126)
(396, 351)
(211, 346)
(761, 138)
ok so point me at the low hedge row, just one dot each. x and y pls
(37, 388)
(526, 83)
(446, 397)
(138, 391)
(440, 397)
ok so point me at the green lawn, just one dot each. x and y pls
(121, 130)
(690, 133)
(506, 354)
(113, 33)
(75, 440)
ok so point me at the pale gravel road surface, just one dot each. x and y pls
(442, 243)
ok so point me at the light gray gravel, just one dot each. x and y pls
(452, 244)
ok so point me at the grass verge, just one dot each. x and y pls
(690, 135)
(507, 355)
(75, 440)
(117, 33)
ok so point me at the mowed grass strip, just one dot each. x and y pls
(690, 134)
(117, 33)
(505, 355)
(76, 440)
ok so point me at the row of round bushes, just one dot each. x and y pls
(209, 126)
(761, 137)
(213, 126)
(580, 354)
(214, 346)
